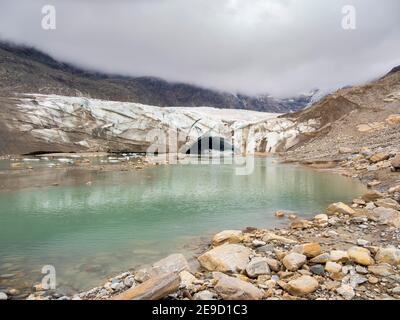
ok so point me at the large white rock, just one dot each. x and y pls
(226, 258)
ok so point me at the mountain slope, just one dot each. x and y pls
(366, 116)
(27, 70)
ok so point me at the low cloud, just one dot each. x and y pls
(280, 47)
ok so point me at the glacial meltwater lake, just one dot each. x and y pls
(127, 219)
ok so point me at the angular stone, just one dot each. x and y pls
(360, 255)
(257, 266)
(338, 256)
(390, 255)
(230, 288)
(396, 162)
(310, 250)
(388, 203)
(274, 265)
(302, 286)
(318, 269)
(322, 258)
(227, 236)
(339, 207)
(382, 269)
(226, 258)
(333, 267)
(372, 195)
(321, 220)
(187, 279)
(173, 263)
(270, 236)
(378, 157)
(294, 261)
(346, 291)
(387, 216)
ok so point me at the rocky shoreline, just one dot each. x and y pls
(350, 251)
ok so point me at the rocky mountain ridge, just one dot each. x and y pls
(27, 70)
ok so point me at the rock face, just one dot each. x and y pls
(230, 288)
(60, 123)
(302, 286)
(227, 236)
(226, 258)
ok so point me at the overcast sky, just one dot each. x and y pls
(281, 47)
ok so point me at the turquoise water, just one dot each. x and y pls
(125, 219)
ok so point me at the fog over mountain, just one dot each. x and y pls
(282, 48)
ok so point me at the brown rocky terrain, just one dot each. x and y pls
(350, 119)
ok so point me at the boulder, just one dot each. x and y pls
(394, 189)
(360, 255)
(382, 269)
(378, 157)
(372, 195)
(338, 256)
(302, 286)
(322, 258)
(339, 207)
(227, 236)
(257, 266)
(390, 255)
(294, 261)
(173, 263)
(333, 267)
(270, 236)
(226, 258)
(388, 203)
(321, 220)
(273, 264)
(396, 162)
(310, 250)
(230, 288)
(393, 119)
(387, 216)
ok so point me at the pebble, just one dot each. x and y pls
(362, 242)
(3, 296)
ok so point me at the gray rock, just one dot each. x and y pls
(3, 296)
(318, 269)
(362, 242)
(117, 286)
(129, 281)
(257, 266)
(204, 295)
